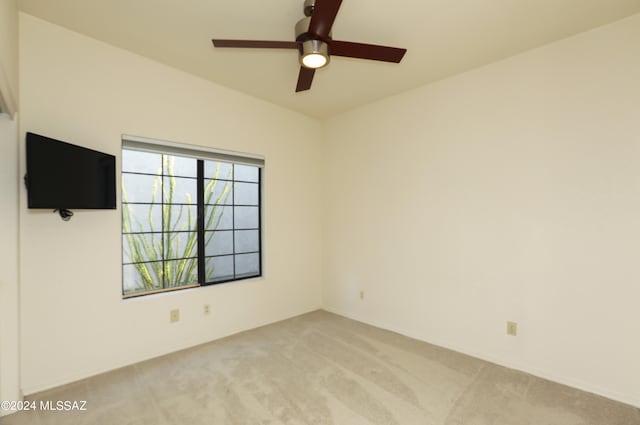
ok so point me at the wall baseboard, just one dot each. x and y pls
(570, 382)
(30, 391)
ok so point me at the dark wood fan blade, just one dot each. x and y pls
(258, 44)
(305, 78)
(324, 13)
(366, 51)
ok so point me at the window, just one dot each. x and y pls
(189, 217)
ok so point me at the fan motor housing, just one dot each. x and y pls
(302, 29)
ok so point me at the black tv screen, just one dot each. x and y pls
(65, 176)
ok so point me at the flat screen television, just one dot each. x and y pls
(63, 176)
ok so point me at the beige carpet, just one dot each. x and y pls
(324, 369)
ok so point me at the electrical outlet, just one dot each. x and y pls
(361, 295)
(207, 309)
(512, 328)
(174, 315)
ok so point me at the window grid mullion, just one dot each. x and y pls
(158, 261)
(233, 217)
(201, 221)
(164, 239)
(259, 221)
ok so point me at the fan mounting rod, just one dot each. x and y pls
(309, 5)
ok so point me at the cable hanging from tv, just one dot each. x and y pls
(65, 214)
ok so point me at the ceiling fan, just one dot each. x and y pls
(315, 45)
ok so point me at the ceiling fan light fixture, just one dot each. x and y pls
(313, 37)
(315, 54)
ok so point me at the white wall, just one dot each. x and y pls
(9, 56)
(511, 192)
(9, 356)
(507, 193)
(74, 322)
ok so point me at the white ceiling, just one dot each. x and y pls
(443, 38)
